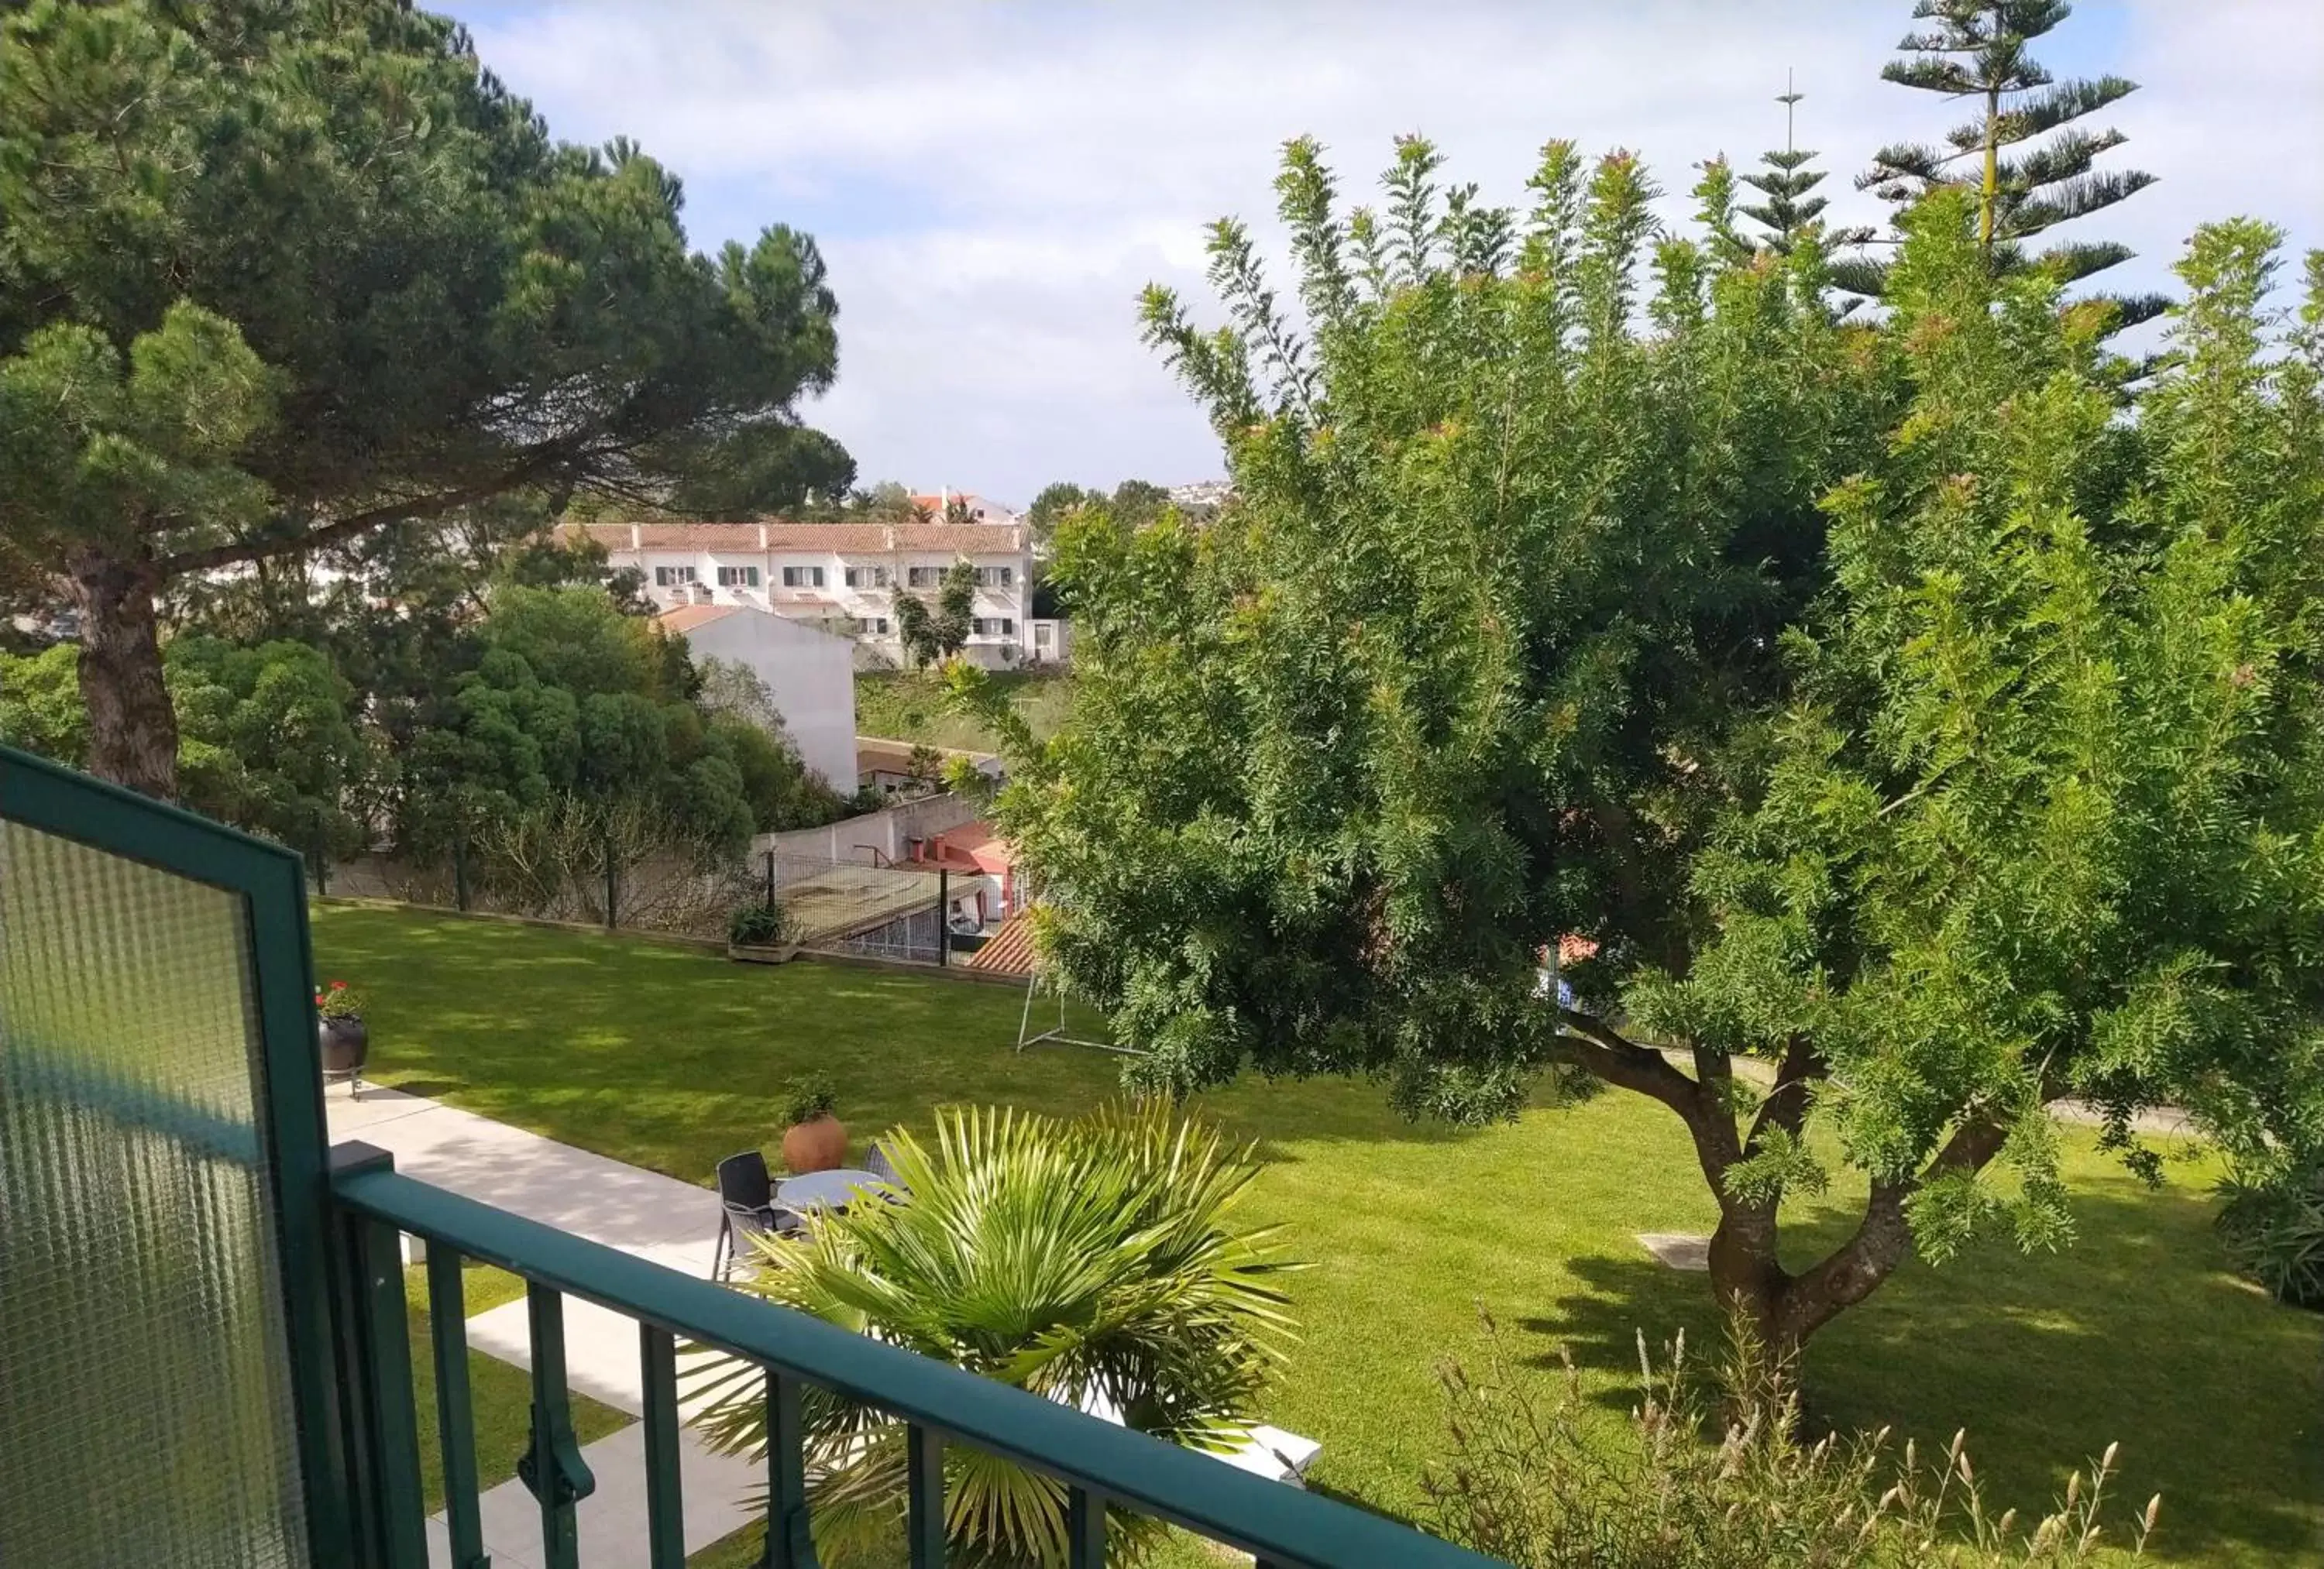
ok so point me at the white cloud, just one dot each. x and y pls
(993, 183)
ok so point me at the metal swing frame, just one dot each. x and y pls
(1058, 1036)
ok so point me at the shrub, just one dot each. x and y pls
(1096, 1262)
(806, 1099)
(2274, 1225)
(761, 924)
(1537, 1480)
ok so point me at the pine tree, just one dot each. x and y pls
(1785, 183)
(1977, 50)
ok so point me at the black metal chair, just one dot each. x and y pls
(746, 1196)
(876, 1162)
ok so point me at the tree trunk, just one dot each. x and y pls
(133, 730)
(1782, 1309)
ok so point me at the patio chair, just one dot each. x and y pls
(746, 1197)
(876, 1162)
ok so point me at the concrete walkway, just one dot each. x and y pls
(640, 1212)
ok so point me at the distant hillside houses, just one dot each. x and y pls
(842, 578)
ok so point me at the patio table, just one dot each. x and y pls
(830, 1189)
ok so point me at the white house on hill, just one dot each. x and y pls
(809, 674)
(842, 578)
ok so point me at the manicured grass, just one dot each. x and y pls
(909, 705)
(672, 1059)
(500, 1394)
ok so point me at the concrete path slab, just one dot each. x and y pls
(1678, 1250)
(589, 1195)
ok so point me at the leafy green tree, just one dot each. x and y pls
(1527, 626)
(930, 635)
(1977, 50)
(915, 629)
(1097, 1261)
(1050, 506)
(280, 274)
(40, 703)
(1136, 500)
(265, 740)
(955, 609)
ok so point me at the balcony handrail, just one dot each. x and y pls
(1280, 1525)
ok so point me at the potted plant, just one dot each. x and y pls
(813, 1139)
(340, 1033)
(755, 934)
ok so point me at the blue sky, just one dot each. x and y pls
(993, 183)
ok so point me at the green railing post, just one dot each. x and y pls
(924, 1519)
(455, 1425)
(552, 1468)
(665, 1508)
(1085, 1530)
(790, 1538)
(382, 1444)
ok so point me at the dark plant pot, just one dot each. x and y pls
(345, 1043)
(820, 1145)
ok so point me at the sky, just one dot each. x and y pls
(992, 183)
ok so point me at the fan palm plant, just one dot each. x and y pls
(1094, 1261)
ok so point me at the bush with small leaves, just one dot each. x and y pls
(806, 1099)
(1534, 1478)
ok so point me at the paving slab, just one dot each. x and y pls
(1678, 1250)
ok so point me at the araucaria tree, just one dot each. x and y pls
(1976, 49)
(1786, 184)
(274, 275)
(1921, 743)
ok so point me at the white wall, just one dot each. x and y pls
(854, 839)
(810, 675)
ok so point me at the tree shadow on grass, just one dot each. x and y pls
(2135, 1334)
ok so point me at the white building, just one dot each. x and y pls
(810, 676)
(842, 578)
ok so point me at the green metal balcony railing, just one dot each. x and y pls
(1103, 1465)
(203, 1346)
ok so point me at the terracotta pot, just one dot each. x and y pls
(820, 1145)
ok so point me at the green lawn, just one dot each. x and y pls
(671, 1059)
(910, 705)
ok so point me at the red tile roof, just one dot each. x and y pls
(843, 538)
(1010, 950)
(686, 618)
